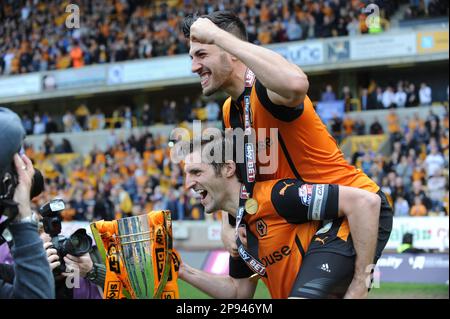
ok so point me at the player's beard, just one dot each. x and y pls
(215, 198)
(212, 205)
(219, 75)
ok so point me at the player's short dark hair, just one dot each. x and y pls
(209, 146)
(226, 20)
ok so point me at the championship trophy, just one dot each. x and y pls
(139, 256)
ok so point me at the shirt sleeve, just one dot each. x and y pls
(33, 277)
(298, 202)
(280, 112)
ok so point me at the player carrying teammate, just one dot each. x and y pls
(277, 98)
(280, 226)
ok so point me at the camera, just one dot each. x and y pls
(10, 180)
(12, 135)
(78, 244)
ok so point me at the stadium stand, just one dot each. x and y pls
(34, 37)
(428, 9)
(109, 159)
(128, 178)
(136, 173)
(407, 94)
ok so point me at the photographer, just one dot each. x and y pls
(92, 274)
(33, 278)
(88, 266)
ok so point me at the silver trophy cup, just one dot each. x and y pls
(135, 239)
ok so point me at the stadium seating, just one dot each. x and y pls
(35, 38)
(132, 172)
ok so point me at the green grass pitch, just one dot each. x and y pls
(386, 291)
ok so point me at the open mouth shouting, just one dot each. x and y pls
(202, 194)
(205, 77)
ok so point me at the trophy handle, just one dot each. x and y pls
(112, 278)
(168, 247)
(99, 242)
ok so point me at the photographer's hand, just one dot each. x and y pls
(83, 263)
(52, 256)
(25, 171)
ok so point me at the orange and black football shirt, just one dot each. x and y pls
(283, 226)
(306, 151)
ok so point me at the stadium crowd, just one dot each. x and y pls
(34, 36)
(415, 173)
(129, 178)
(426, 9)
(373, 97)
(83, 119)
(137, 175)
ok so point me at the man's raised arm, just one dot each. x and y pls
(286, 83)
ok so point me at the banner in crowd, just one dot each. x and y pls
(412, 268)
(69, 79)
(373, 142)
(338, 50)
(115, 74)
(432, 42)
(324, 53)
(214, 231)
(368, 47)
(180, 231)
(328, 110)
(157, 69)
(404, 268)
(430, 232)
(301, 53)
(20, 85)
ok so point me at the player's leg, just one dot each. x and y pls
(384, 230)
(384, 225)
(329, 263)
(330, 245)
(323, 275)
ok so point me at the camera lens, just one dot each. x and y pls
(79, 243)
(75, 242)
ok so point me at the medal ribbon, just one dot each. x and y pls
(248, 173)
